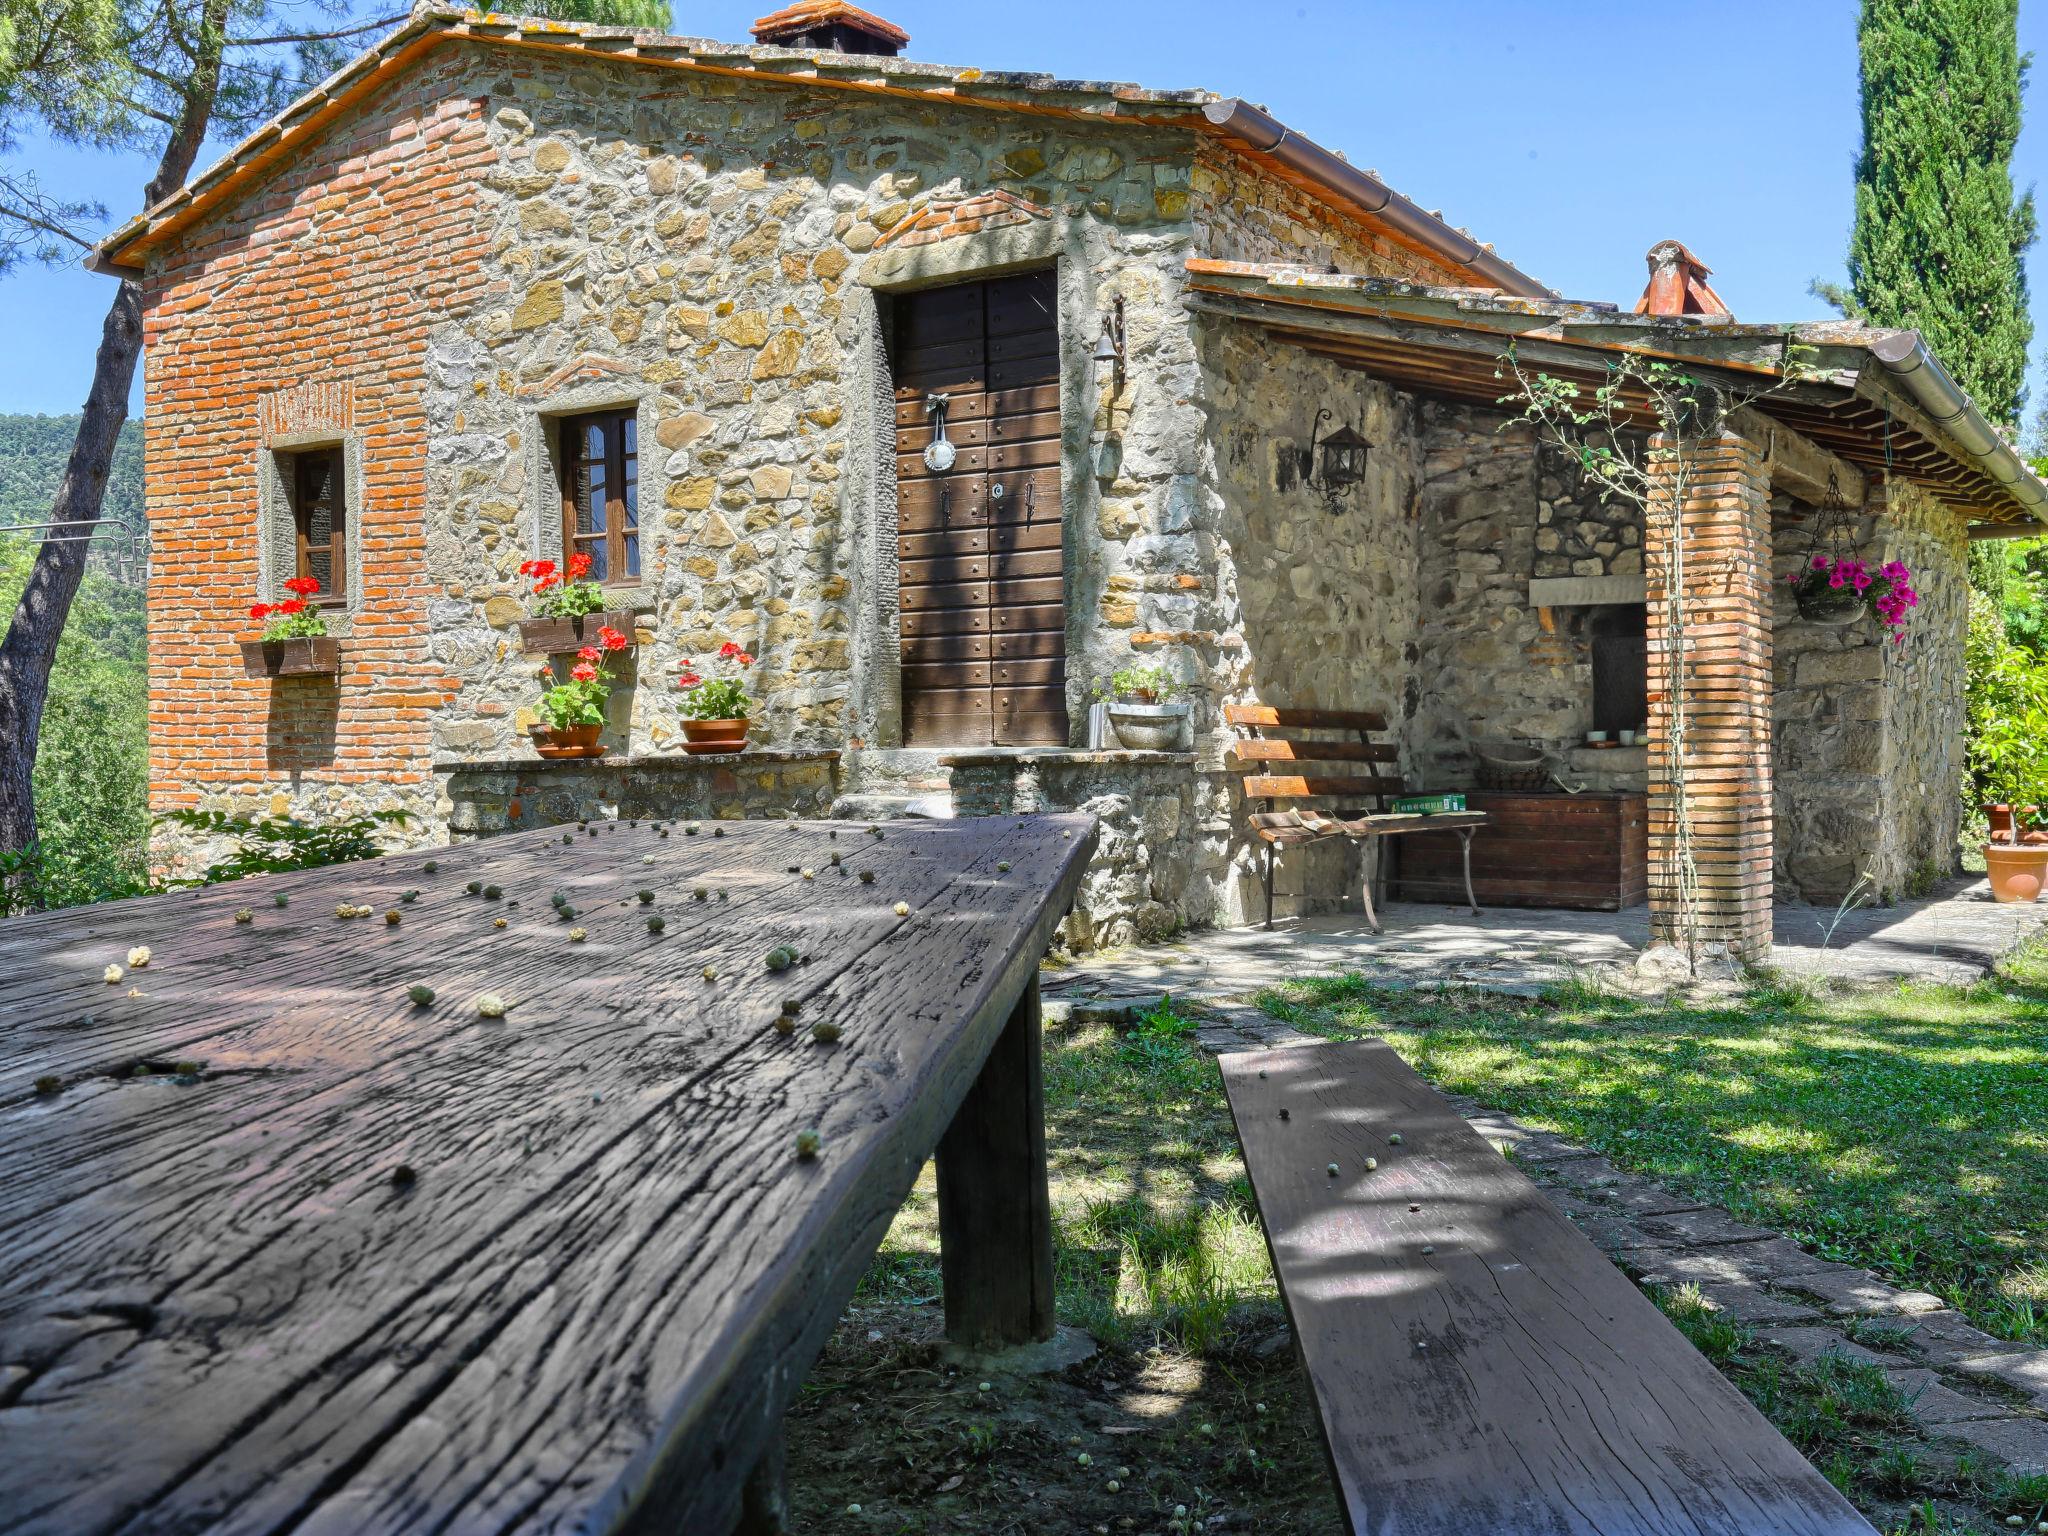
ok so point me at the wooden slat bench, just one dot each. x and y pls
(1288, 767)
(1477, 1364)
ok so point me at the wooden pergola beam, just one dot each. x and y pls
(1798, 464)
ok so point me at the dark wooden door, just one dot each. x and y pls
(983, 587)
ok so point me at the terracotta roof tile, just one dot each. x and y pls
(808, 14)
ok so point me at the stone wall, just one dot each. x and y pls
(1869, 734)
(488, 798)
(1498, 508)
(1153, 872)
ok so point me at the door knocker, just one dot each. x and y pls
(938, 453)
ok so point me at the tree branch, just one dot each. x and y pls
(375, 25)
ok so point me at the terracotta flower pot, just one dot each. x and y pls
(573, 741)
(707, 737)
(2017, 874)
(2000, 817)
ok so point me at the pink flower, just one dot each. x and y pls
(1835, 580)
(583, 672)
(1820, 562)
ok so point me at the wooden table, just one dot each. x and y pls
(340, 1263)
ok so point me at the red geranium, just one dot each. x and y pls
(611, 639)
(584, 672)
(304, 586)
(579, 566)
(589, 653)
(258, 610)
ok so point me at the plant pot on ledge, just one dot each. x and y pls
(305, 656)
(554, 637)
(2017, 873)
(569, 741)
(705, 738)
(1146, 727)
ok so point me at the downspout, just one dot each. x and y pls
(1919, 373)
(1266, 135)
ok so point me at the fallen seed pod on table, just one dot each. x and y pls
(808, 1144)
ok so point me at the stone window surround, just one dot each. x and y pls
(540, 444)
(277, 531)
(1058, 243)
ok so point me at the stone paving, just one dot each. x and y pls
(1955, 935)
(1963, 1384)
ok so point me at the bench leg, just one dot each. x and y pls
(764, 1499)
(1465, 847)
(995, 1212)
(1269, 885)
(1372, 874)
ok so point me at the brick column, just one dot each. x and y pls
(1723, 672)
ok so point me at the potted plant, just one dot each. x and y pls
(1834, 589)
(1139, 709)
(573, 712)
(570, 609)
(295, 642)
(715, 708)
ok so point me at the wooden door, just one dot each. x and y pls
(983, 606)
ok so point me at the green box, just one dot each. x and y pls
(1428, 805)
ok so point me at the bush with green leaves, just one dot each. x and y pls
(2006, 702)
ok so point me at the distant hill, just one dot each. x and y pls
(33, 450)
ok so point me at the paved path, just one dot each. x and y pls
(1956, 935)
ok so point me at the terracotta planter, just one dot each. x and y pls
(552, 637)
(2000, 817)
(311, 656)
(702, 738)
(576, 741)
(2017, 874)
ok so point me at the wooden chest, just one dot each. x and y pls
(1537, 850)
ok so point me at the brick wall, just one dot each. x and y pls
(1723, 521)
(306, 307)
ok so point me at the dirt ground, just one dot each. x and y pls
(1138, 1439)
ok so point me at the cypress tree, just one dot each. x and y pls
(1940, 239)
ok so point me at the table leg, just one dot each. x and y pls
(764, 1500)
(995, 1213)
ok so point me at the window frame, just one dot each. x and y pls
(336, 593)
(572, 434)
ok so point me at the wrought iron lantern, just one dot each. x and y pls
(1336, 462)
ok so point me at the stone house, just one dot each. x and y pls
(496, 265)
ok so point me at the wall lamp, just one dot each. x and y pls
(1336, 461)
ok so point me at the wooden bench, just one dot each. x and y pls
(1477, 1364)
(1282, 768)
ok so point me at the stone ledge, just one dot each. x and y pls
(665, 761)
(1063, 757)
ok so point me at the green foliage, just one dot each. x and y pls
(1940, 238)
(272, 845)
(2006, 714)
(647, 15)
(1147, 684)
(92, 766)
(33, 452)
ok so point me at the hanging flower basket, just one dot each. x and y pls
(1821, 604)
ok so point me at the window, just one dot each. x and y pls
(314, 480)
(601, 493)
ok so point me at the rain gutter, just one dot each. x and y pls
(1919, 374)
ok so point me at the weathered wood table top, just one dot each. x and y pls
(340, 1263)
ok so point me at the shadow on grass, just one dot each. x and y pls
(1904, 1130)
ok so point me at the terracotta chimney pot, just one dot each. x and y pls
(1678, 284)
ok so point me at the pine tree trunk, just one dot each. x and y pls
(30, 648)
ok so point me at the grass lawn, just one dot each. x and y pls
(1904, 1131)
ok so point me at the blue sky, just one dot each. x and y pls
(1573, 134)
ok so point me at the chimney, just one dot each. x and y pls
(1678, 284)
(831, 25)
